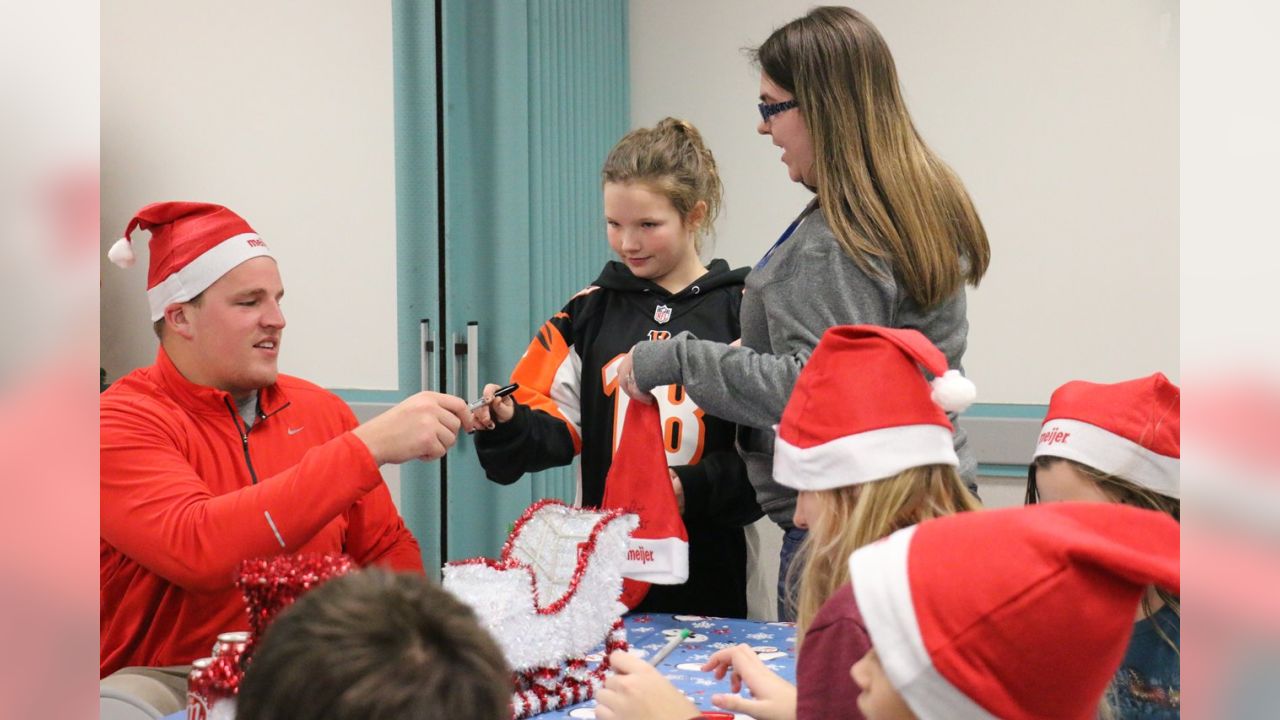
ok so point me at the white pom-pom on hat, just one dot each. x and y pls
(121, 253)
(954, 392)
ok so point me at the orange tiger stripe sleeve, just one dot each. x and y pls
(549, 374)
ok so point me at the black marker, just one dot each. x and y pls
(500, 392)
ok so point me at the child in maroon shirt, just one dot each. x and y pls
(866, 462)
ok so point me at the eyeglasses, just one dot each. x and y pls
(768, 110)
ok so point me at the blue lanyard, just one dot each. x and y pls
(785, 235)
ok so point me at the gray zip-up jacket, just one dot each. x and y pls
(808, 285)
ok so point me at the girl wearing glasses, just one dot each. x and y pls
(891, 238)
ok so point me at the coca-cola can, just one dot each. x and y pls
(231, 643)
(198, 699)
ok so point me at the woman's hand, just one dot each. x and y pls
(637, 690)
(500, 409)
(774, 698)
(678, 487)
(627, 379)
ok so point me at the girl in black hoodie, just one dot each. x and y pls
(661, 194)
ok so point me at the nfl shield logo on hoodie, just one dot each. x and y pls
(662, 315)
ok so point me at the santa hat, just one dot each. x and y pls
(1017, 614)
(862, 411)
(192, 245)
(1127, 429)
(639, 482)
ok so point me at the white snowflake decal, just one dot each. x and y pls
(722, 645)
(704, 625)
(759, 636)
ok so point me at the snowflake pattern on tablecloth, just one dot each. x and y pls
(649, 632)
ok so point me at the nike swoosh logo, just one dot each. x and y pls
(295, 431)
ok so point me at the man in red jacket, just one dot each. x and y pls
(210, 457)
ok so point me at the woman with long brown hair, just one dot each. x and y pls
(891, 238)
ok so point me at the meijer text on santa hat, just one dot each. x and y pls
(192, 245)
(1127, 429)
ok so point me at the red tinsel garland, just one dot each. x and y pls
(573, 685)
(269, 585)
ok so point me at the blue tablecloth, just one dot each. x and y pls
(645, 635)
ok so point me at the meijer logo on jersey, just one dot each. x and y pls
(1053, 436)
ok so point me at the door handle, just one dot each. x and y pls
(467, 346)
(473, 359)
(427, 357)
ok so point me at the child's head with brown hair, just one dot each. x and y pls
(376, 644)
(1117, 443)
(1035, 629)
(1113, 442)
(662, 193)
(672, 160)
(870, 452)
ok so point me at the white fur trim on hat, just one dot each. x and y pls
(1111, 453)
(204, 271)
(664, 561)
(862, 457)
(882, 588)
(121, 253)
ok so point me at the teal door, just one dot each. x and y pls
(528, 99)
(418, 252)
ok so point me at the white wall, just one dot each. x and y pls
(1061, 118)
(283, 112)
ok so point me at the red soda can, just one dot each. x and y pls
(231, 643)
(198, 699)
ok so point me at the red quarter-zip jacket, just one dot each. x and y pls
(186, 495)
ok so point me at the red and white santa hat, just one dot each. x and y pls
(1018, 613)
(862, 410)
(1127, 429)
(192, 245)
(639, 482)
